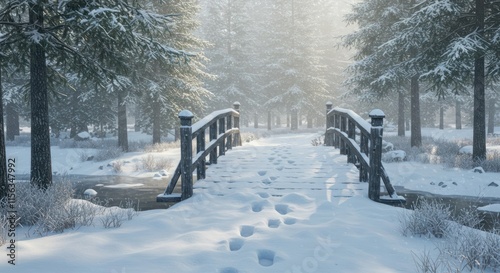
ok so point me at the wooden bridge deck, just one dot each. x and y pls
(281, 165)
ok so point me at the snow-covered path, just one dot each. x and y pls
(282, 165)
(274, 205)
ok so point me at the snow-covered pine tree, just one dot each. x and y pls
(294, 81)
(377, 72)
(168, 89)
(230, 28)
(95, 39)
(3, 155)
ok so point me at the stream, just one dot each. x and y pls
(115, 190)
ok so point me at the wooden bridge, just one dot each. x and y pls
(352, 147)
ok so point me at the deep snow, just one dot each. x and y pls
(253, 227)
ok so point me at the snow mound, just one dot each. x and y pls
(394, 156)
(89, 193)
(297, 198)
(466, 150)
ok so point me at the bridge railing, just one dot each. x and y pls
(362, 143)
(223, 132)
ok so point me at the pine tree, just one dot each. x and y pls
(170, 88)
(293, 71)
(95, 39)
(227, 25)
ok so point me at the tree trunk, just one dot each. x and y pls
(309, 121)
(74, 120)
(441, 118)
(3, 156)
(491, 116)
(401, 114)
(294, 120)
(137, 117)
(416, 132)
(458, 115)
(479, 127)
(278, 121)
(41, 169)
(288, 120)
(256, 121)
(122, 123)
(12, 121)
(269, 120)
(156, 121)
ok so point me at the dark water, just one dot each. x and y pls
(457, 204)
(144, 194)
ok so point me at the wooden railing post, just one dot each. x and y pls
(237, 136)
(376, 133)
(343, 128)
(213, 136)
(336, 122)
(200, 147)
(351, 133)
(363, 145)
(229, 121)
(329, 124)
(222, 130)
(186, 130)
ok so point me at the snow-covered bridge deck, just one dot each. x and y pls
(281, 165)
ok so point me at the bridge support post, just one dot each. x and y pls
(237, 137)
(376, 133)
(186, 130)
(329, 124)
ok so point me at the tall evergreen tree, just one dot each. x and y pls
(227, 25)
(93, 38)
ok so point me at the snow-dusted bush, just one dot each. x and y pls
(473, 249)
(429, 218)
(464, 249)
(151, 163)
(162, 147)
(248, 137)
(115, 216)
(110, 152)
(3, 229)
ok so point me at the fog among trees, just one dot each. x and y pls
(71, 66)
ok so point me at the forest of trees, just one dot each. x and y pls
(79, 65)
(408, 49)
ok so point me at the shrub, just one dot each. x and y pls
(429, 218)
(150, 163)
(108, 153)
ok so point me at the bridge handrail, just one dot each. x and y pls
(342, 126)
(224, 133)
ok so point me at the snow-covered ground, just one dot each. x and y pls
(225, 229)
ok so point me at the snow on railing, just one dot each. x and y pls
(342, 128)
(224, 133)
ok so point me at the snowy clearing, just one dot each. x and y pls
(260, 224)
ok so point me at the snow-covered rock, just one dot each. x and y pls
(478, 170)
(82, 136)
(396, 155)
(466, 150)
(89, 193)
(387, 146)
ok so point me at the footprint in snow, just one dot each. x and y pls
(229, 270)
(282, 209)
(258, 206)
(246, 231)
(273, 223)
(262, 173)
(236, 244)
(290, 221)
(279, 168)
(266, 257)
